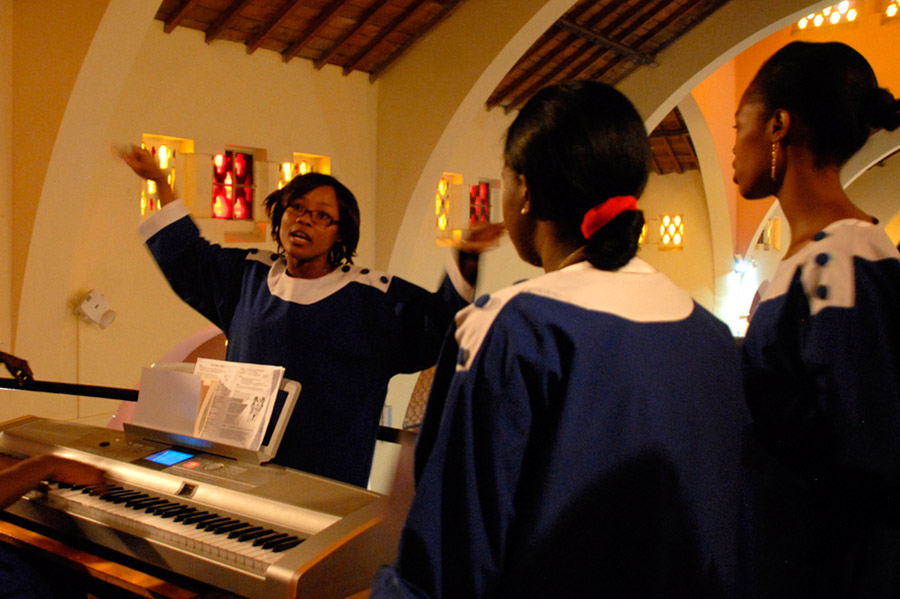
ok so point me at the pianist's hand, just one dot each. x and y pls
(63, 470)
(22, 476)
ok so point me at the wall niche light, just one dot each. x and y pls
(671, 232)
(892, 10)
(844, 12)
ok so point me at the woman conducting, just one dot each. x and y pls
(340, 330)
(583, 433)
(822, 353)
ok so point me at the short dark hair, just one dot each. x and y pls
(348, 213)
(578, 144)
(832, 89)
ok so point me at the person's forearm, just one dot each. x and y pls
(468, 266)
(164, 192)
(23, 476)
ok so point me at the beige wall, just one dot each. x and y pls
(42, 80)
(690, 267)
(6, 277)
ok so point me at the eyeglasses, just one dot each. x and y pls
(319, 218)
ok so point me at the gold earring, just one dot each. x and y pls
(523, 211)
(774, 159)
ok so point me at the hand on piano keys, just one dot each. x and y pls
(21, 476)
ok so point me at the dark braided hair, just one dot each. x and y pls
(578, 144)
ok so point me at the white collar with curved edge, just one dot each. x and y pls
(636, 292)
(310, 291)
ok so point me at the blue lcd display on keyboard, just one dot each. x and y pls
(169, 457)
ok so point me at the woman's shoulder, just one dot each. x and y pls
(831, 264)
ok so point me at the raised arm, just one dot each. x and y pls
(481, 238)
(145, 166)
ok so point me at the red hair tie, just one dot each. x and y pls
(597, 217)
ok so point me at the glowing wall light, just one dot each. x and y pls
(892, 9)
(844, 12)
(232, 189)
(165, 150)
(452, 212)
(442, 204)
(671, 232)
(302, 164)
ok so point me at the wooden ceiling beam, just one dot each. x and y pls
(522, 97)
(634, 19)
(623, 17)
(610, 44)
(661, 26)
(313, 30)
(178, 15)
(446, 7)
(514, 82)
(669, 132)
(224, 20)
(527, 74)
(500, 95)
(255, 42)
(664, 24)
(386, 31)
(363, 21)
(671, 153)
(593, 54)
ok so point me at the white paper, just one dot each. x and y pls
(168, 400)
(242, 406)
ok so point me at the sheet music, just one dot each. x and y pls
(168, 400)
(241, 404)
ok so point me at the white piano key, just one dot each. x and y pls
(186, 536)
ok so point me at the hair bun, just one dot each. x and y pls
(883, 109)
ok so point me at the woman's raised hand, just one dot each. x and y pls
(145, 166)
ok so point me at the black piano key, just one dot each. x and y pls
(111, 495)
(286, 544)
(210, 524)
(237, 533)
(263, 538)
(189, 512)
(146, 504)
(138, 503)
(250, 535)
(63, 485)
(130, 498)
(201, 517)
(271, 541)
(115, 491)
(178, 511)
(236, 525)
(166, 505)
(122, 498)
(100, 489)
